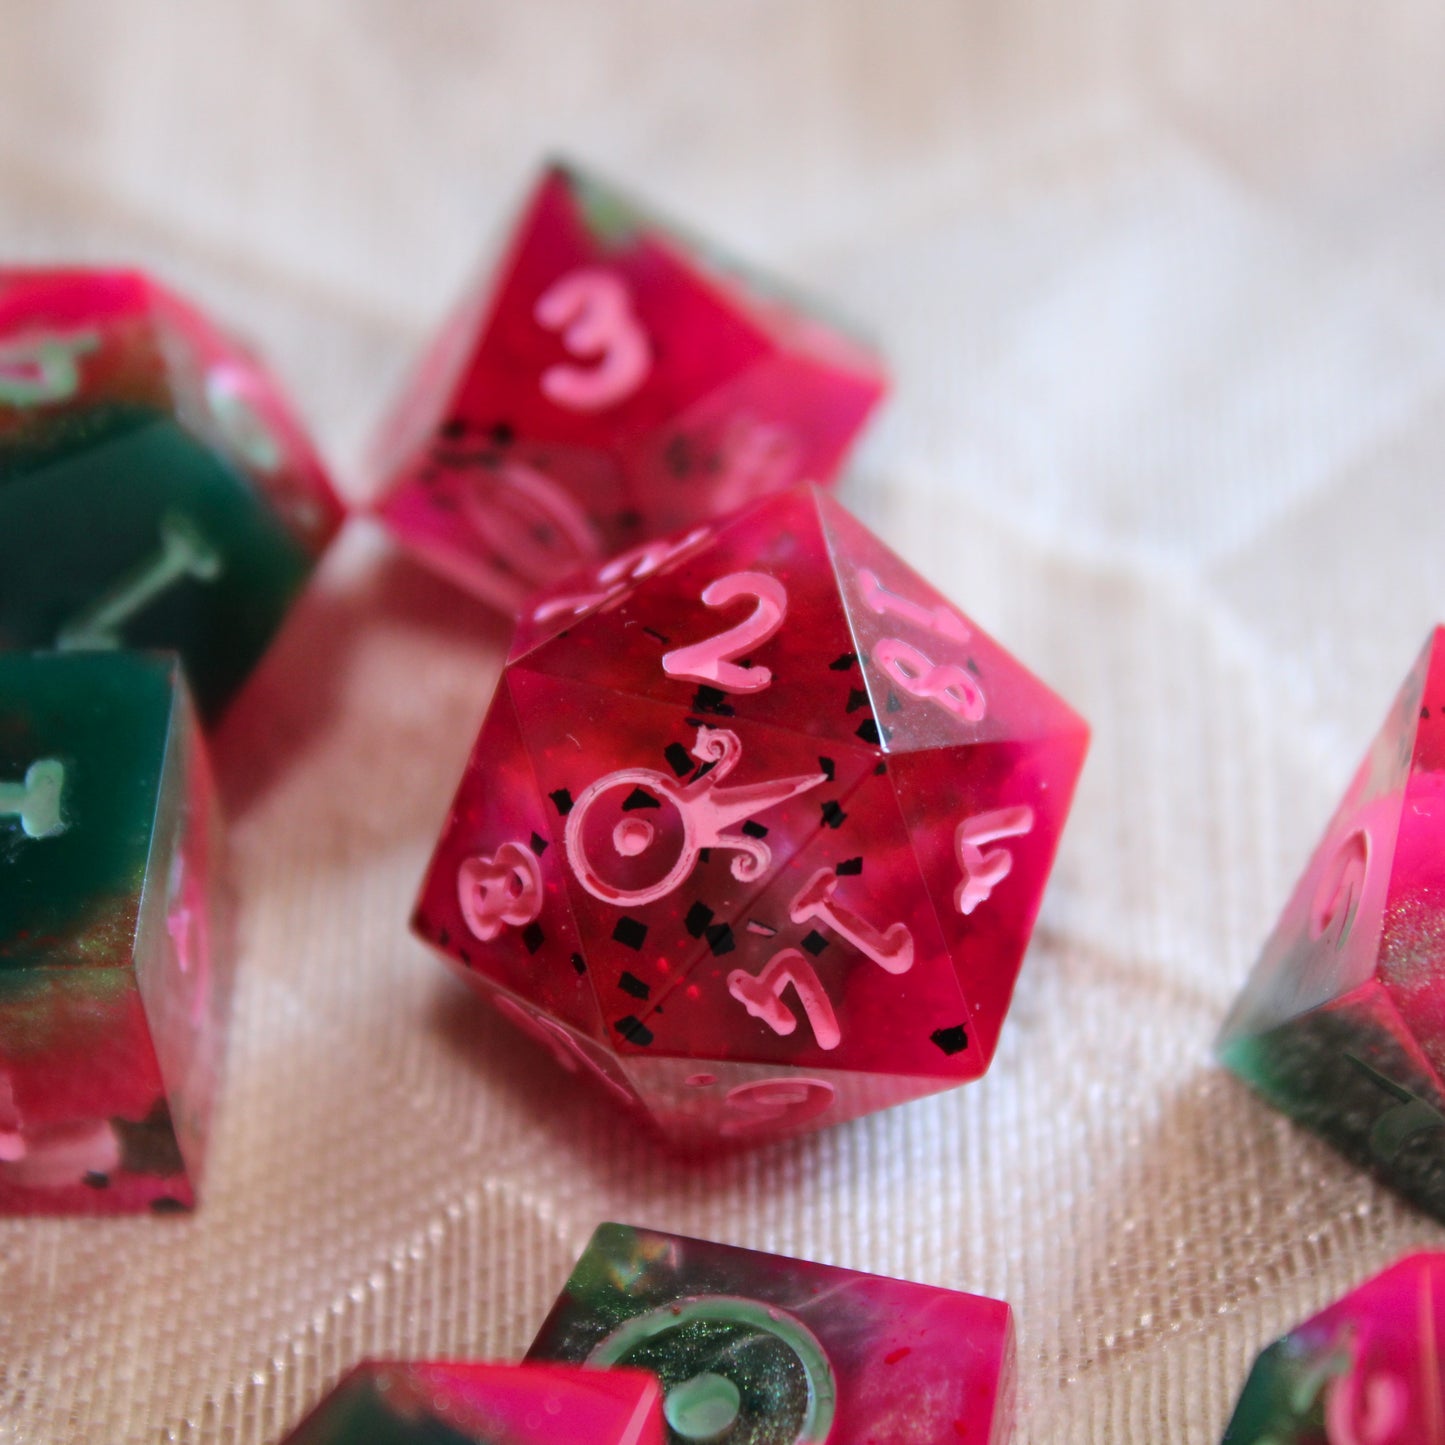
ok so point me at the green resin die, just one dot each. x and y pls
(112, 988)
(155, 490)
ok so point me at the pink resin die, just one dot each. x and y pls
(113, 991)
(756, 829)
(446, 1403)
(758, 1349)
(612, 383)
(1366, 1371)
(1342, 1024)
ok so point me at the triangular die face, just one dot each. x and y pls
(676, 338)
(495, 897)
(655, 815)
(935, 678)
(985, 823)
(838, 963)
(1327, 941)
(1350, 1071)
(1412, 946)
(771, 644)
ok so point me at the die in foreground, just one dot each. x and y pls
(757, 828)
(1342, 1024)
(1366, 1371)
(111, 994)
(447, 1403)
(612, 383)
(759, 1349)
(155, 489)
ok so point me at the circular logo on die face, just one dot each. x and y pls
(734, 1371)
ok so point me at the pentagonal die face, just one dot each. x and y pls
(460, 1403)
(614, 382)
(757, 1349)
(1364, 1370)
(112, 987)
(710, 848)
(155, 489)
(1342, 1023)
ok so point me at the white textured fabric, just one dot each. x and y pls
(1164, 284)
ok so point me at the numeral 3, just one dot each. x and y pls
(593, 311)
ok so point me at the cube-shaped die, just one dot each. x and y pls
(615, 381)
(155, 488)
(759, 1349)
(455, 1403)
(1342, 1023)
(1365, 1371)
(757, 828)
(113, 985)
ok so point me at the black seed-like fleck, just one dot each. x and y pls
(503, 434)
(634, 1030)
(763, 930)
(95, 1179)
(754, 830)
(894, 703)
(678, 758)
(467, 957)
(629, 519)
(951, 1041)
(705, 855)
(828, 770)
(880, 770)
(678, 456)
(972, 666)
(538, 844)
(444, 937)
(702, 770)
(868, 731)
(630, 983)
(815, 943)
(1424, 714)
(856, 698)
(533, 937)
(849, 866)
(842, 664)
(166, 1205)
(455, 429)
(697, 722)
(656, 636)
(833, 814)
(698, 918)
(579, 963)
(720, 939)
(563, 799)
(630, 932)
(639, 798)
(712, 700)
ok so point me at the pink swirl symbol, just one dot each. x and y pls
(504, 890)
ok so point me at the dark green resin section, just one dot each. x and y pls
(1283, 1399)
(71, 897)
(358, 1414)
(86, 517)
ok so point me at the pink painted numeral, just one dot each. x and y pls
(950, 687)
(942, 620)
(1370, 1413)
(891, 950)
(762, 996)
(43, 369)
(592, 309)
(501, 891)
(620, 573)
(711, 660)
(1337, 899)
(983, 872)
(770, 1103)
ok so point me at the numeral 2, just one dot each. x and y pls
(711, 660)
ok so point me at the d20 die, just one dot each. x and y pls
(756, 828)
(613, 383)
(758, 1349)
(1342, 1023)
(451, 1403)
(1366, 1371)
(112, 994)
(155, 489)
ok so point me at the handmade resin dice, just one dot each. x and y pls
(155, 490)
(1342, 1024)
(758, 1349)
(612, 383)
(1366, 1371)
(447, 1403)
(111, 992)
(757, 827)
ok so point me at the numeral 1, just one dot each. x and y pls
(184, 551)
(592, 308)
(983, 872)
(43, 368)
(711, 660)
(891, 950)
(952, 688)
(762, 996)
(942, 620)
(36, 801)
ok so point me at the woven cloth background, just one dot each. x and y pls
(1164, 285)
